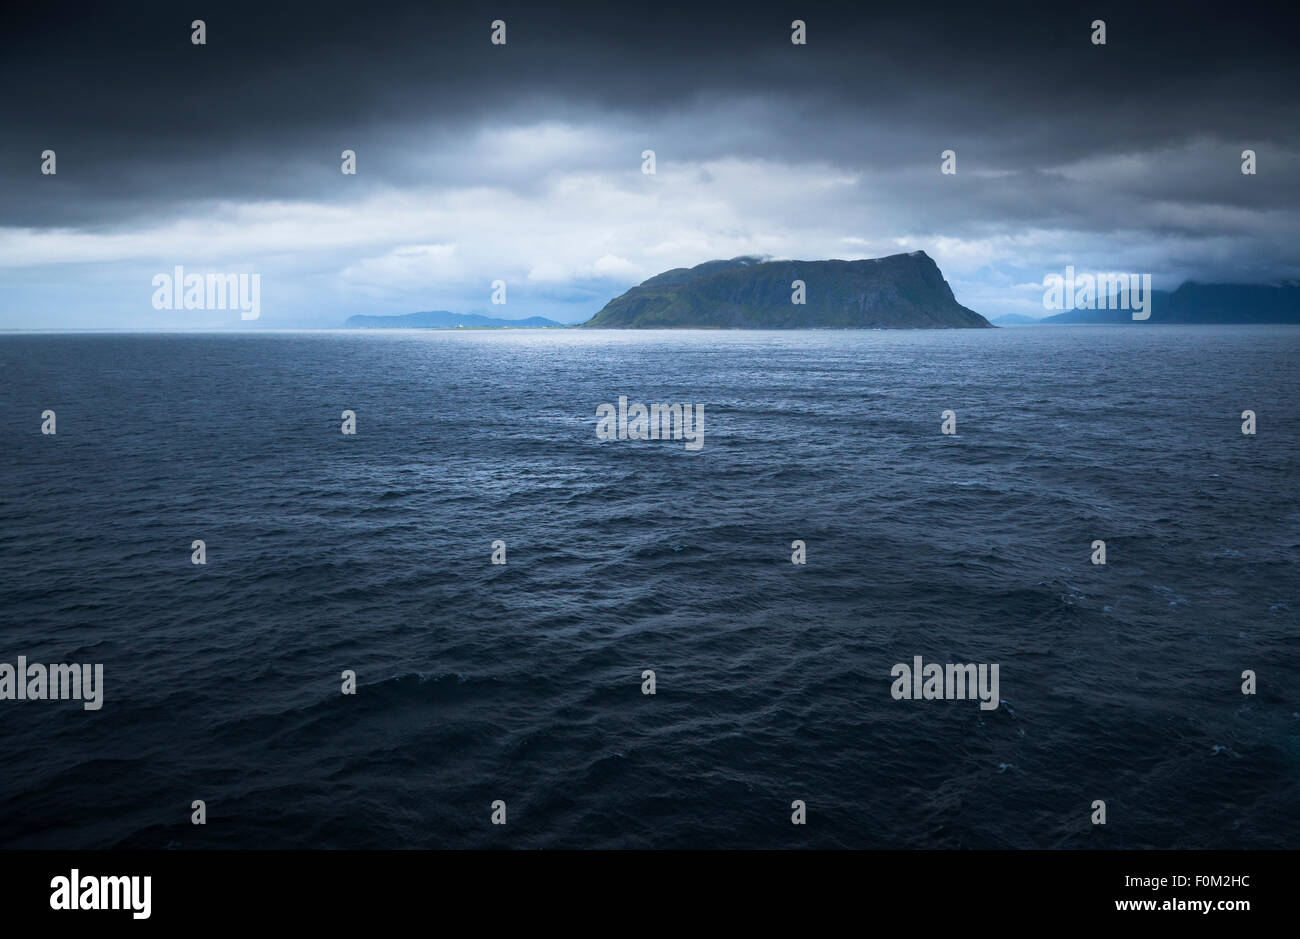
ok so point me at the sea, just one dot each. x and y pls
(516, 691)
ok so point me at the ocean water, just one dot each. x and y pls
(522, 682)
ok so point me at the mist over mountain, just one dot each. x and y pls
(895, 292)
(1204, 303)
(444, 319)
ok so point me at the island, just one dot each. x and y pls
(1197, 303)
(444, 319)
(902, 291)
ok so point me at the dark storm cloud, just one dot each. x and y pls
(522, 162)
(144, 122)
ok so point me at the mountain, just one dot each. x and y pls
(1015, 319)
(900, 291)
(1204, 303)
(442, 319)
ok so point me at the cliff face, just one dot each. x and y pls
(900, 291)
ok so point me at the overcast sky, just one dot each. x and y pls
(522, 162)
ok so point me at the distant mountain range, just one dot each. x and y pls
(443, 319)
(1201, 303)
(899, 291)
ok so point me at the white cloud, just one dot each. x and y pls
(572, 220)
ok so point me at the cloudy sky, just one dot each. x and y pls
(478, 162)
